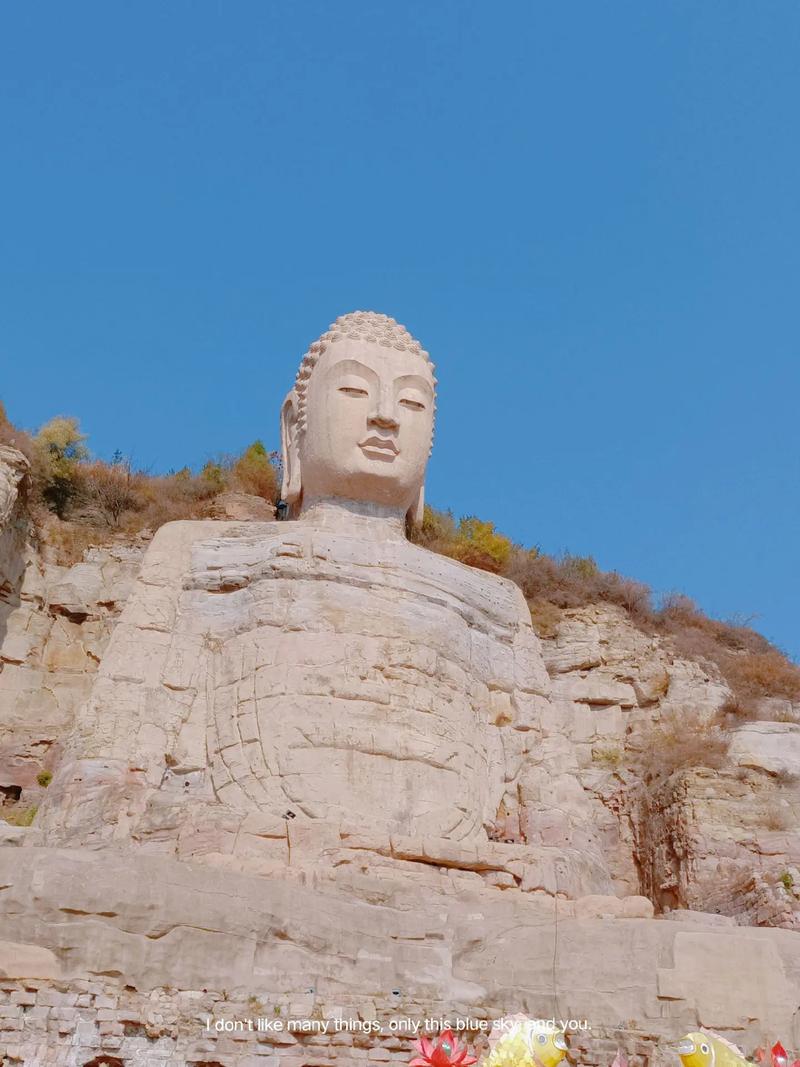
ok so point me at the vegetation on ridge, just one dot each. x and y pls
(752, 667)
(83, 501)
(95, 500)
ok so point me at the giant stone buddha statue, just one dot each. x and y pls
(322, 668)
(314, 722)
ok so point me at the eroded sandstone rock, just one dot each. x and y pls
(13, 468)
(311, 765)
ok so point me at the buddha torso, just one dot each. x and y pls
(306, 669)
(353, 678)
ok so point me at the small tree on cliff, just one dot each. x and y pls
(480, 545)
(110, 490)
(59, 449)
(254, 472)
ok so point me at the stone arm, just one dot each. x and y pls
(145, 716)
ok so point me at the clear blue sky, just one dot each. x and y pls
(589, 213)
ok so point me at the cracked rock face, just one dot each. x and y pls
(310, 764)
(189, 877)
(55, 623)
(13, 468)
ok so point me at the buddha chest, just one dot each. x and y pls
(352, 680)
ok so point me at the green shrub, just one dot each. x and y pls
(213, 474)
(480, 545)
(44, 778)
(254, 472)
(59, 449)
(437, 531)
(20, 816)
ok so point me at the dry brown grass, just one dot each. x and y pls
(550, 584)
(110, 509)
(778, 816)
(696, 632)
(753, 675)
(167, 498)
(76, 502)
(573, 581)
(66, 542)
(682, 739)
(751, 666)
(545, 617)
(10, 435)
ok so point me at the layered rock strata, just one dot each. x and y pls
(308, 771)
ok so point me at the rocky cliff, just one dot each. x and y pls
(643, 856)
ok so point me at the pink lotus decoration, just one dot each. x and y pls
(445, 1053)
(778, 1056)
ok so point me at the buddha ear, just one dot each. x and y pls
(417, 510)
(292, 488)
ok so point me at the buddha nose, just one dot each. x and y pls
(384, 414)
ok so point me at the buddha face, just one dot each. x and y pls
(369, 425)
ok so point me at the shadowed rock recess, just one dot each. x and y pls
(308, 770)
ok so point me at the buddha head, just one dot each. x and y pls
(358, 423)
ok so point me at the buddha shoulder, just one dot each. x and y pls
(227, 557)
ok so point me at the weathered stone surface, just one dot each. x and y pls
(294, 659)
(55, 624)
(768, 746)
(600, 907)
(312, 765)
(13, 468)
(242, 507)
(115, 913)
(27, 961)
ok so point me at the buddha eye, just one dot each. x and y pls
(352, 390)
(542, 1039)
(414, 405)
(704, 1049)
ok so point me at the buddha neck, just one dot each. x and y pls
(370, 521)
